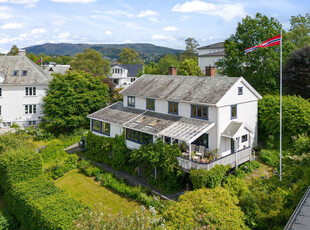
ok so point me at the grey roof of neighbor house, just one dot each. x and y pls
(190, 89)
(133, 69)
(232, 129)
(213, 46)
(62, 69)
(35, 75)
(220, 53)
(154, 123)
(300, 219)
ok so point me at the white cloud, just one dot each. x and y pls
(226, 11)
(63, 37)
(75, 1)
(108, 33)
(4, 14)
(59, 22)
(12, 26)
(170, 28)
(38, 31)
(162, 37)
(147, 13)
(28, 3)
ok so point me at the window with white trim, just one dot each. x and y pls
(30, 91)
(0, 92)
(30, 109)
(131, 101)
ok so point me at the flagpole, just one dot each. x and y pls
(281, 108)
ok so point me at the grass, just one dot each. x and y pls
(91, 193)
(263, 171)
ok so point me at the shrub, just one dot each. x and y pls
(202, 178)
(4, 223)
(301, 144)
(60, 169)
(250, 166)
(95, 171)
(53, 150)
(270, 157)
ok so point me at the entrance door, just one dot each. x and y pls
(232, 144)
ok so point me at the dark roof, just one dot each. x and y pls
(151, 122)
(300, 219)
(133, 69)
(35, 75)
(220, 53)
(213, 46)
(205, 90)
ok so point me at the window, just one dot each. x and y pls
(0, 92)
(132, 79)
(0, 110)
(24, 73)
(101, 127)
(233, 111)
(15, 72)
(138, 137)
(30, 91)
(150, 104)
(30, 109)
(30, 123)
(240, 90)
(244, 138)
(199, 112)
(131, 101)
(173, 108)
(202, 140)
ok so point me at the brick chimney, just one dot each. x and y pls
(172, 70)
(210, 71)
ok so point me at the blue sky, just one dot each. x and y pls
(161, 22)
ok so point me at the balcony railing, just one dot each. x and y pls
(233, 159)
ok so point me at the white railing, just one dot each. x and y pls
(238, 158)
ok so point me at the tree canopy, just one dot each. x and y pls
(190, 49)
(261, 68)
(91, 61)
(299, 33)
(296, 78)
(189, 67)
(14, 51)
(70, 98)
(129, 56)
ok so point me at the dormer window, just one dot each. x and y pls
(131, 101)
(15, 73)
(24, 73)
(240, 90)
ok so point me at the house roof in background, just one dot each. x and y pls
(190, 89)
(213, 46)
(220, 53)
(62, 69)
(133, 69)
(35, 75)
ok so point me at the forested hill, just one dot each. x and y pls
(110, 51)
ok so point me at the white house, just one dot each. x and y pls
(218, 114)
(208, 55)
(22, 87)
(123, 75)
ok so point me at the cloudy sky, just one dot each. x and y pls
(161, 22)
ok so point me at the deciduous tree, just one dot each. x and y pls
(129, 56)
(14, 51)
(189, 67)
(299, 33)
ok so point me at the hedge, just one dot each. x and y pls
(60, 169)
(39, 204)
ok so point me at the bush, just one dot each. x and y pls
(250, 166)
(61, 168)
(53, 150)
(270, 157)
(95, 171)
(202, 178)
(301, 144)
(39, 204)
(4, 223)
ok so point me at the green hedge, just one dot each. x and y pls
(60, 169)
(202, 178)
(39, 204)
(270, 157)
(53, 150)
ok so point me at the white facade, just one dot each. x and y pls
(120, 77)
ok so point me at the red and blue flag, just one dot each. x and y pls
(270, 42)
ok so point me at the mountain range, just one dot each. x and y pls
(148, 52)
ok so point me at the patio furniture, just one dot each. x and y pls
(193, 147)
(196, 158)
(201, 149)
(200, 155)
(185, 154)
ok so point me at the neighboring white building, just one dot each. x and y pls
(22, 87)
(218, 113)
(210, 54)
(53, 67)
(123, 75)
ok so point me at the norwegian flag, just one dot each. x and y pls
(40, 60)
(270, 42)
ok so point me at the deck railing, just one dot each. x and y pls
(233, 159)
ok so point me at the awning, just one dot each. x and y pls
(233, 128)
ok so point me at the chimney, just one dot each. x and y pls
(21, 52)
(210, 71)
(172, 70)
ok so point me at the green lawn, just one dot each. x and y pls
(92, 193)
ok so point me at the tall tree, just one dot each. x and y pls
(91, 61)
(165, 62)
(299, 33)
(261, 67)
(14, 51)
(129, 56)
(190, 49)
(189, 67)
(296, 78)
(70, 98)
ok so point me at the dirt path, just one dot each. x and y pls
(264, 172)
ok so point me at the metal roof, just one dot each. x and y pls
(177, 127)
(35, 75)
(133, 69)
(300, 219)
(220, 53)
(62, 69)
(213, 46)
(190, 89)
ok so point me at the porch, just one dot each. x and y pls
(233, 159)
